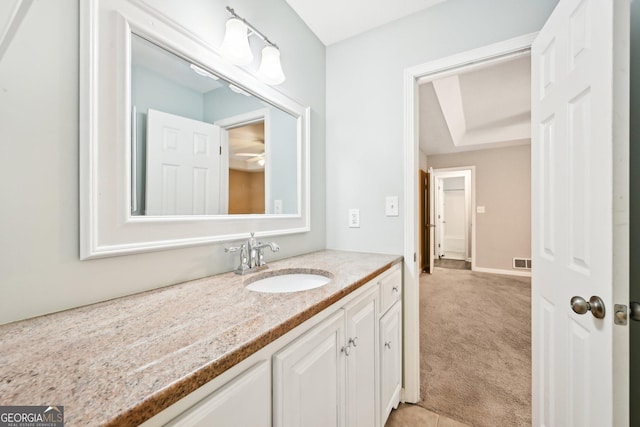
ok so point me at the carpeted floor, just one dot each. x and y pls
(475, 344)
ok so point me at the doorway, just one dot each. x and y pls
(594, 104)
(453, 195)
(246, 168)
(413, 162)
(465, 129)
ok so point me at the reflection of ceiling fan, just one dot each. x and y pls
(253, 157)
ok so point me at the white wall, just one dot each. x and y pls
(40, 271)
(365, 106)
(503, 187)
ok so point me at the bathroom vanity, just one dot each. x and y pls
(211, 349)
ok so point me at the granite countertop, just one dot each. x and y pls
(122, 361)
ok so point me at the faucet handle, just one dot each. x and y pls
(244, 259)
(233, 249)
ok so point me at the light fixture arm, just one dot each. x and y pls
(252, 28)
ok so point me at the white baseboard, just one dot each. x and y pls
(500, 271)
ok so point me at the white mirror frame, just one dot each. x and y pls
(107, 227)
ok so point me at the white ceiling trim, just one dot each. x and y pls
(507, 133)
(450, 97)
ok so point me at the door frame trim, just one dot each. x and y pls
(440, 67)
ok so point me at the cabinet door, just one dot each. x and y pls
(362, 378)
(227, 406)
(390, 360)
(309, 378)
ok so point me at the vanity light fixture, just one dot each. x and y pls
(235, 47)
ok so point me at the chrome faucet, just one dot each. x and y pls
(252, 254)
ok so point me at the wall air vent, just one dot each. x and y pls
(522, 263)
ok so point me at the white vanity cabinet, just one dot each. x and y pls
(328, 376)
(340, 368)
(390, 343)
(227, 406)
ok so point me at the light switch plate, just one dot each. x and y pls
(391, 206)
(480, 209)
(354, 218)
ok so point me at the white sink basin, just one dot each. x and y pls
(291, 280)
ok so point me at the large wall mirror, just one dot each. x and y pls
(204, 146)
(178, 146)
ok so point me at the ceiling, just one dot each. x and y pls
(486, 107)
(336, 20)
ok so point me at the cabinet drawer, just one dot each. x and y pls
(390, 288)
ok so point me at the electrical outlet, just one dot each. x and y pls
(354, 218)
(391, 206)
(480, 209)
(277, 206)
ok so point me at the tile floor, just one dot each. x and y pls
(415, 416)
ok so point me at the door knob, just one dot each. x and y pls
(635, 310)
(595, 305)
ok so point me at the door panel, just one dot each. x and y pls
(362, 381)
(309, 378)
(183, 166)
(580, 85)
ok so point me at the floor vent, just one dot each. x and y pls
(522, 263)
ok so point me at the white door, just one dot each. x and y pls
(183, 166)
(454, 224)
(440, 219)
(580, 94)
